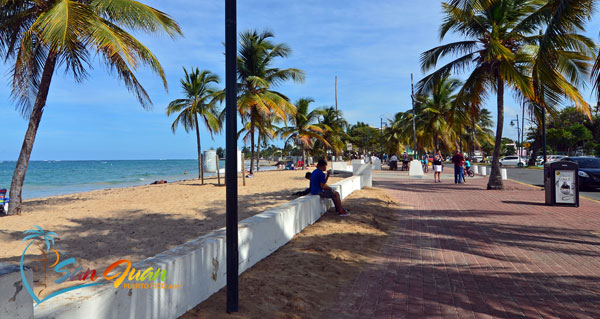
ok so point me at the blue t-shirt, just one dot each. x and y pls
(316, 179)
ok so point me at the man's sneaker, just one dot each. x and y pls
(344, 214)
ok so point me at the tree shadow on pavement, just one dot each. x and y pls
(520, 202)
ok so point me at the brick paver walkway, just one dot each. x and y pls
(460, 251)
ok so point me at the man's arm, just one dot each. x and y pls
(324, 183)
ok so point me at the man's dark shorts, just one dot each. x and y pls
(326, 193)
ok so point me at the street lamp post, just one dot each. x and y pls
(231, 204)
(545, 151)
(412, 97)
(512, 123)
(381, 138)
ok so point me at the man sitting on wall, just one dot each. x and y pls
(306, 191)
(318, 186)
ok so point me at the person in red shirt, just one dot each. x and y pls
(459, 174)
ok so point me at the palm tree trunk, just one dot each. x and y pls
(495, 181)
(16, 186)
(258, 153)
(303, 157)
(251, 145)
(200, 168)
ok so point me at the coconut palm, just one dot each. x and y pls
(334, 125)
(532, 46)
(201, 98)
(438, 111)
(38, 37)
(305, 129)
(395, 135)
(256, 99)
(494, 50)
(264, 129)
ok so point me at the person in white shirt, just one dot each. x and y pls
(394, 163)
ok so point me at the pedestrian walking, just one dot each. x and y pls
(437, 168)
(393, 163)
(458, 160)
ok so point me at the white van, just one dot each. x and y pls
(513, 160)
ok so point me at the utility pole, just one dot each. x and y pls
(544, 134)
(472, 135)
(412, 97)
(381, 137)
(231, 197)
(520, 143)
(336, 94)
(512, 123)
(523, 130)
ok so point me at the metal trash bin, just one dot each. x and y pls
(561, 183)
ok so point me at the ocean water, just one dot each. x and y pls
(48, 178)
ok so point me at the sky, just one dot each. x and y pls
(371, 46)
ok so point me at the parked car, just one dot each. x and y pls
(477, 159)
(513, 161)
(549, 159)
(589, 171)
(554, 158)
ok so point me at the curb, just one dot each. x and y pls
(512, 180)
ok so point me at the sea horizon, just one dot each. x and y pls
(61, 177)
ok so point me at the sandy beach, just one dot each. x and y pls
(100, 227)
(303, 278)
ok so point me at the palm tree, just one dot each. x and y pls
(395, 135)
(504, 49)
(200, 99)
(39, 36)
(334, 125)
(495, 52)
(305, 131)
(256, 100)
(438, 106)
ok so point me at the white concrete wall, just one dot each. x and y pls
(15, 301)
(365, 171)
(199, 265)
(376, 163)
(341, 167)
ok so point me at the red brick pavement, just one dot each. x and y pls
(460, 251)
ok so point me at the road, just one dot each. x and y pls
(536, 177)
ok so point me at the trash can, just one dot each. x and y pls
(561, 183)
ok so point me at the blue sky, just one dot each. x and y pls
(372, 46)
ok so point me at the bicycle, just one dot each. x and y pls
(469, 172)
(425, 166)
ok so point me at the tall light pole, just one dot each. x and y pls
(231, 204)
(512, 123)
(545, 151)
(412, 97)
(522, 127)
(381, 137)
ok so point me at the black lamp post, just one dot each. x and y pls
(231, 204)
